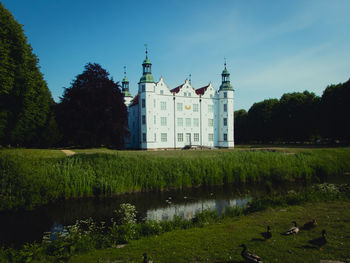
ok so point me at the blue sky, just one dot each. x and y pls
(271, 47)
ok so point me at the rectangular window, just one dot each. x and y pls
(155, 119)
(195, 107)
(196, 122)
(180, 137)
(225, 95)
(163, 121)
(143, 103)
(185, 94)
(179, 106)
(210, 108)
(210, 122)
(210, 137)
(143, 119)
(179, 122)
(189, 94)
(163, 137)
(225, 137)
(155, 137)
(154, 103)
(144, 138)
(225, 107)
(143, 88)
(196, 137)
(163, 105)
(188, 122)
(225, 121)
(161, 92)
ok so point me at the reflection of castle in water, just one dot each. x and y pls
(188, 210)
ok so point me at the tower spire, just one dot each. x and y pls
(146, 51)
(225, 84)
(147, 73)
(125, 85)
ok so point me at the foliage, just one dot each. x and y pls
(92, 111)
(26, 182)
(297, 117)
(25, 100)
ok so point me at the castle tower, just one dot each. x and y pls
(146, 94)
(225, 125)
(125, 89)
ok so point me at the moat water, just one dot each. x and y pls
(17, 228)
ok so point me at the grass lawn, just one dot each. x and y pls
(220, 242)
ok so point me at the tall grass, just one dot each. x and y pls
(26, 182)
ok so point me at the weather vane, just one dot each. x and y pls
(190, 77)
(124, 71)
(225, 62)
(146, 49)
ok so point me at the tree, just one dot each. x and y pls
(335, 103)
(297, 116)
(260, 121)
(25, 100)
(241, 131)
(92, 111)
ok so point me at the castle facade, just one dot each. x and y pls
(161, 118)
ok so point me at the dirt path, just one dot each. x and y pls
(68, 152)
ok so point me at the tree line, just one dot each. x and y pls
(297, 117)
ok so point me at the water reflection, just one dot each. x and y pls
(189, 210)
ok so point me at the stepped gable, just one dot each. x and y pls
(177, 89)
(135, 101)
(202, 90)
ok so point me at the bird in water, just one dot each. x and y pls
(145, 260)
(321, 241)
(267, 235)
(293, 230)
(310, 225)
(249, 257)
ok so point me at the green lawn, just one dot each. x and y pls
(220, 242)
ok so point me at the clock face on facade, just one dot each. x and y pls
(187, 107)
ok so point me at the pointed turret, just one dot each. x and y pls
(225, 84)
(125, 85)
(147, 74)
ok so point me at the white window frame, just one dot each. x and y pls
(210, 122)
(180, 137)
(163, 137)
(195, 107)
(195, 122)
(188, 122)
(163, 121)
(196, 137)
(180, 122)
(179, 106)
(210, 137)
(163, 105)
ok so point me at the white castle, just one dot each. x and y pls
(161, 118)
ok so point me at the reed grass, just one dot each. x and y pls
(29, 180)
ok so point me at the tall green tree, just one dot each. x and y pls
(92, 111)
(260, 121)
(297, 116)
(25, 100)
(335, 103)
(241, 129)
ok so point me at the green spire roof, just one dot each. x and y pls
(125, 79)
(225, 72)
(147, 74)
(146, 61)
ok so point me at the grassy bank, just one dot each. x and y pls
(220, 242)
(208, 237)
(29, 178)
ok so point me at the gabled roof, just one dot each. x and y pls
(135, 101)
(177, 89)
(202, 90)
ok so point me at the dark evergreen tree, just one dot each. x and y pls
(25, 100)
(92, 111)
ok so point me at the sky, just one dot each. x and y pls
(271, 47)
